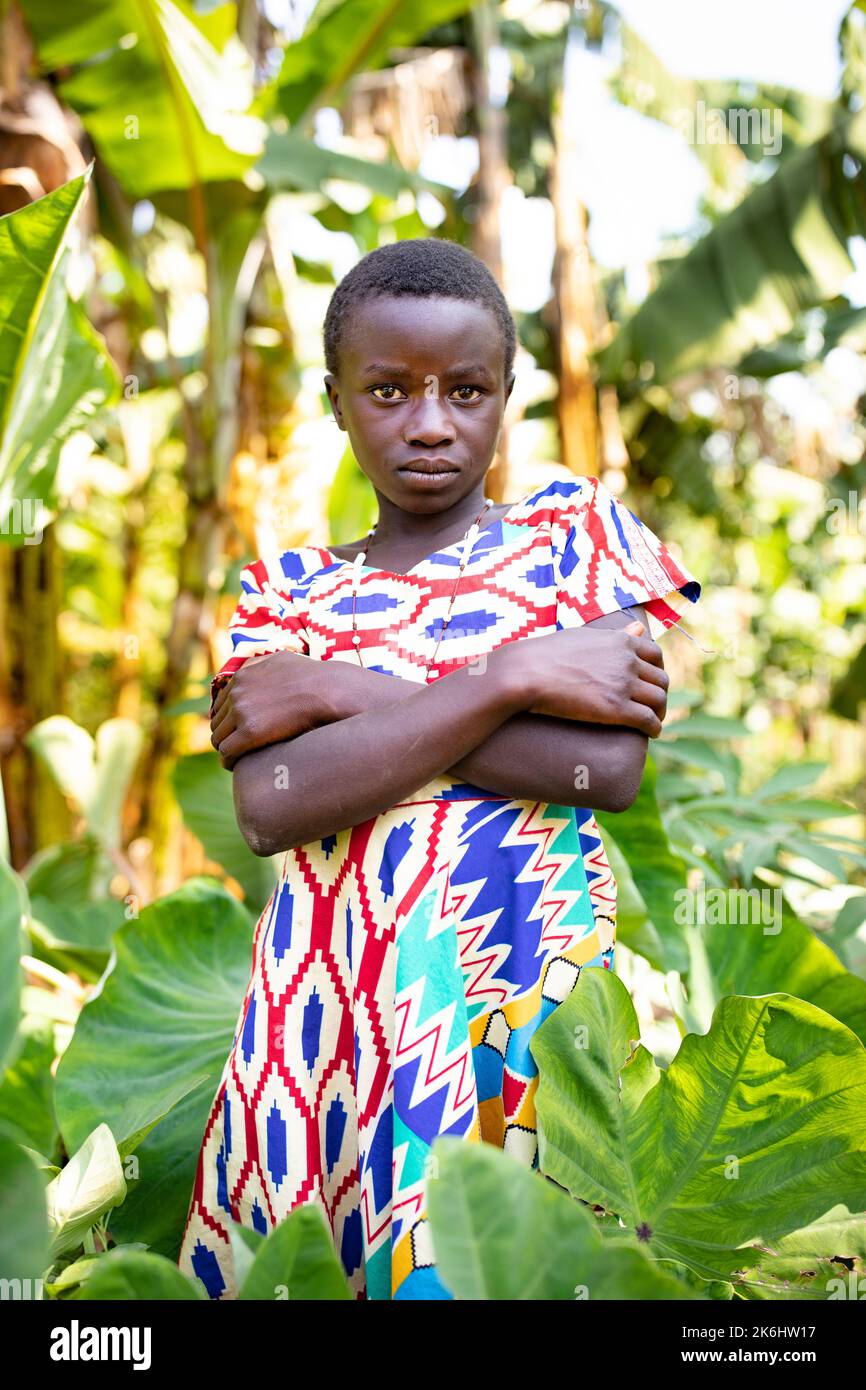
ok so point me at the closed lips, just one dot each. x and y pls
(426, 468)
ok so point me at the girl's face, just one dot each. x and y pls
(421, 382)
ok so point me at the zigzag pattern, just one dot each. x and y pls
(402, 966)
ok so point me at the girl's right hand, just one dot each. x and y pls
(599, 675)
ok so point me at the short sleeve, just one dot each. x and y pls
(608, 560)
(264, 622)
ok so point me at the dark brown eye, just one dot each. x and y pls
(468, 388)
(386, 386)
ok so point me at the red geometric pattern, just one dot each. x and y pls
(401, 966)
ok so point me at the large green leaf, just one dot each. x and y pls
(163, 90)
(163, 1021)
(782, 250)
(72, 920)
(23, 1218)
(657, 872)
(54, 370)
(13, 913)
(27, 1092)
(500, 1231)
(344, 37)
(756, 1130)
(290, 161)
(86, 1189)
(204, 791)
(752, 956)
(135, 1275)
(94, 773)
(297, 1261)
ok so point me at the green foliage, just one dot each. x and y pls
(23, 1219)
(297, 1260)
(656, 870)
(85, 1189)
(502, 1232)
(14, 910)
(346, 36)
(154, 1039)
(782, 250)
(94, 773)
(54, 370)
(204, 792)
(27, 1092)
(755, 1130)
(770, 1071)
(190, 76)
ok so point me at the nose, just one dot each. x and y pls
(429, 423)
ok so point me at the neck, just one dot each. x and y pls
(394, 522)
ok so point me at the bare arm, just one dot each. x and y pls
(551, 755)
(340, 774)
(530, 757)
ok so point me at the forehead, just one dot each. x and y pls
(424, 334)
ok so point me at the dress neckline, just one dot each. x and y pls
(440, 550)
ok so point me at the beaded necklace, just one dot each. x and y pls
(468, 542)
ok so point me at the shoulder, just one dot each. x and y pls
(559, 502)
(287, 572)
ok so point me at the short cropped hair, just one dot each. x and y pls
(420, 266)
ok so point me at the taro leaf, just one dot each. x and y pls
(27, 1092)
(163, 1020)
(71, 920)
(502, 1232)
(779, 954)
(133, 1275)
(90, 1185)
(93, 773)
(204, 791)
(299, 1257)
(657, 872)
(13, 911)
(754, 1132)
(23, 1218)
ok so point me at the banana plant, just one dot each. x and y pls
(779, 252)
(55, 372)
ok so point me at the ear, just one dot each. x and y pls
(332, 386)
(509, 387)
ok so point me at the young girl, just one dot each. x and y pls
(442, 704)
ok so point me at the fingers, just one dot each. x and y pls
(643, 718)
(230, 750)
(648, 650)
(220, 699)
(645, 693)
(221, 726)
(654, 675)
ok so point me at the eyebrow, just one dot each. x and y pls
(462, 369)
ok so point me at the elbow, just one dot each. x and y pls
(252, 814)
(256, 839)
(625, 773)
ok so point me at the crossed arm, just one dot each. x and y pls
(381, 738)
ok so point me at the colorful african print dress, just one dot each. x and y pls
(402, 966)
